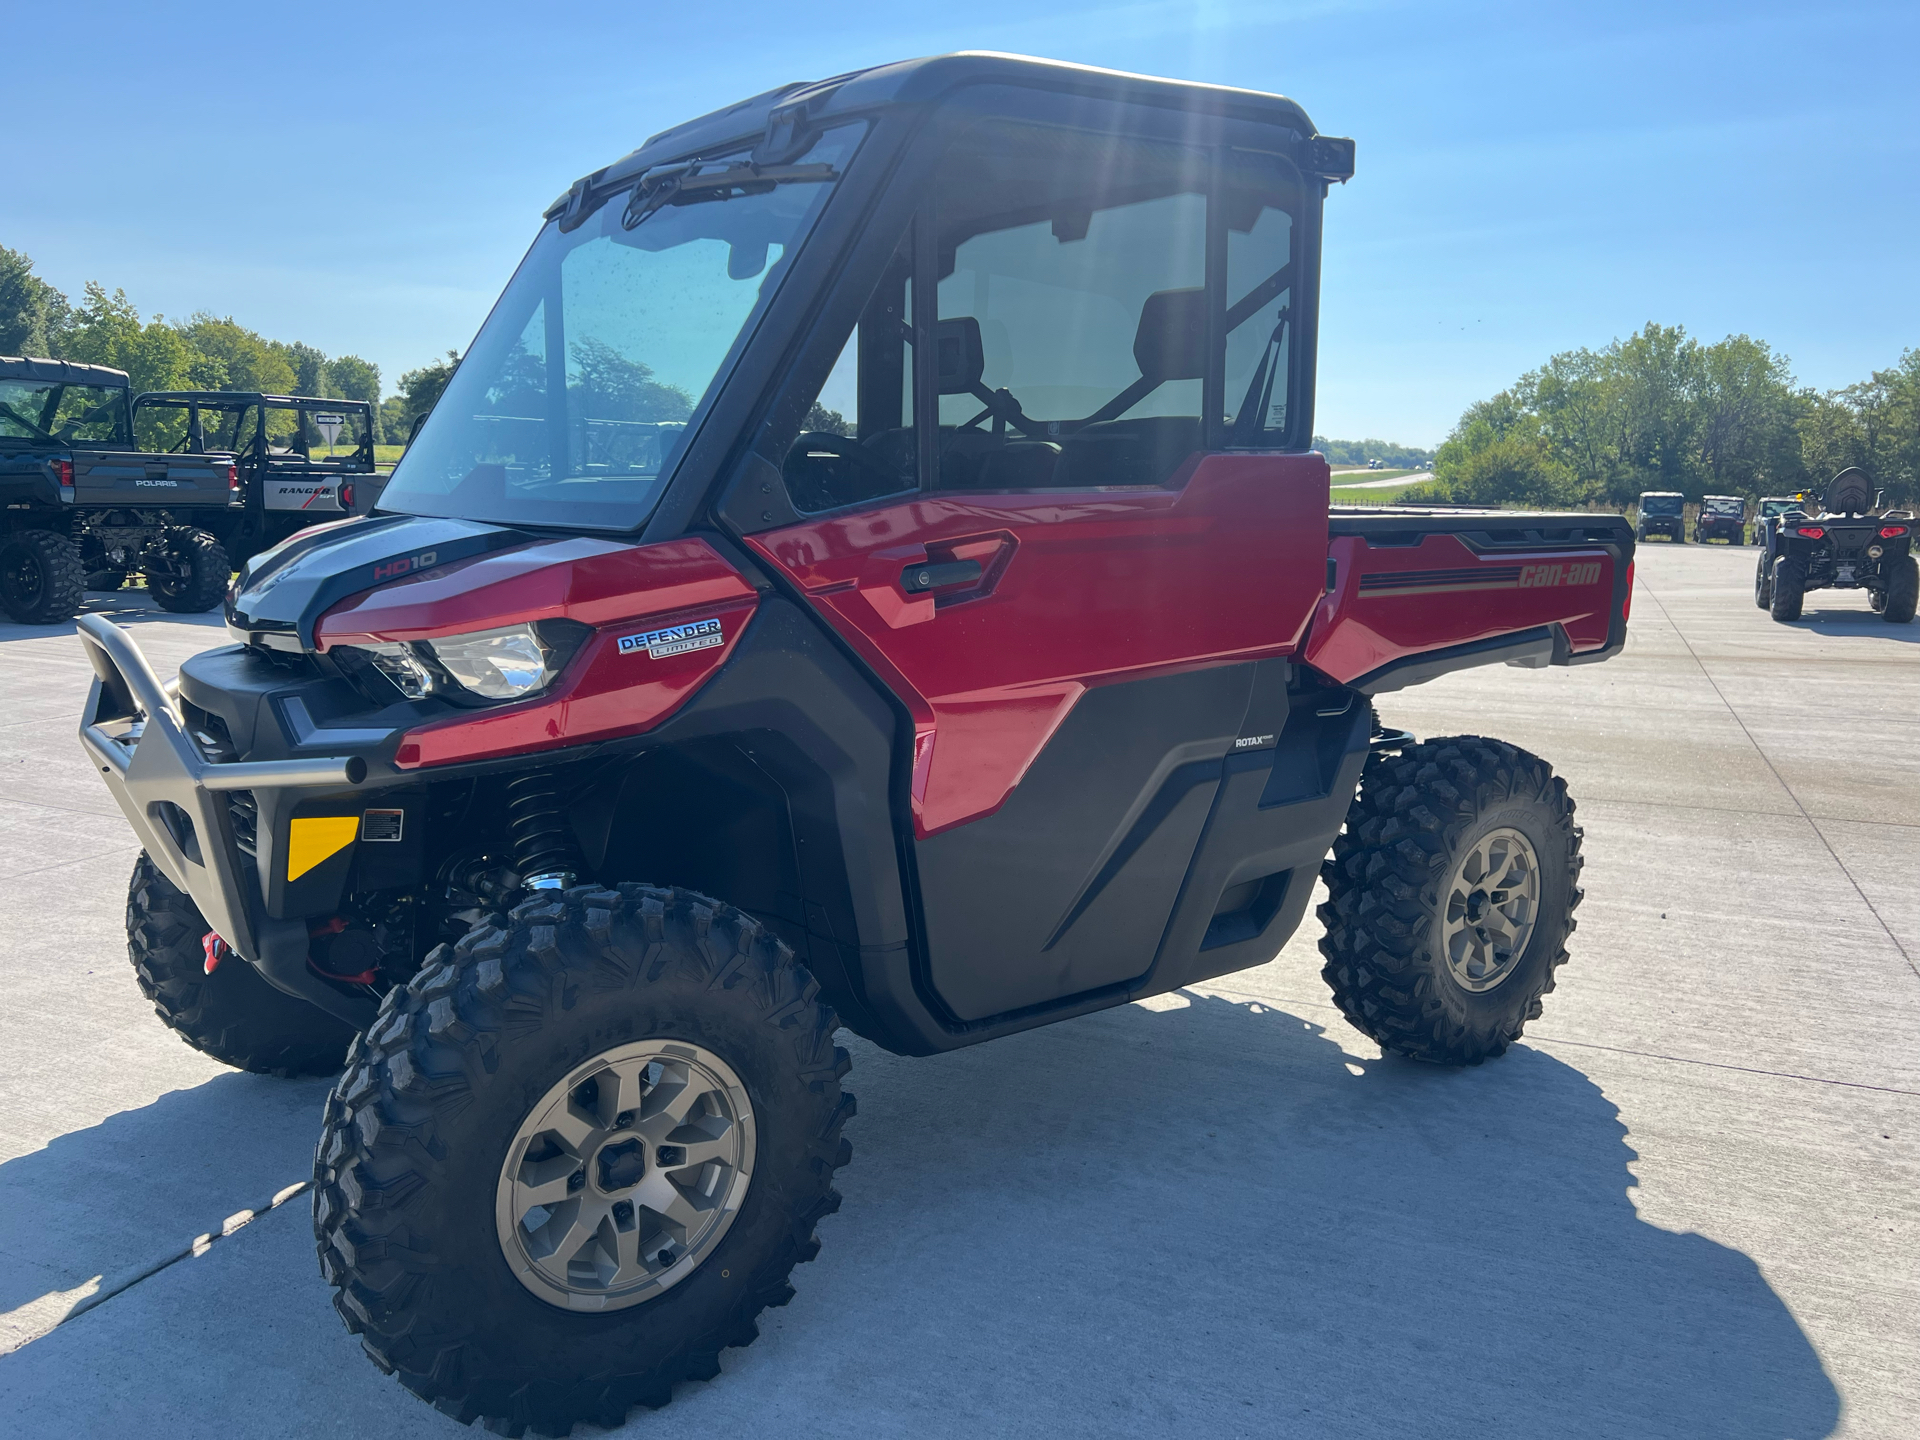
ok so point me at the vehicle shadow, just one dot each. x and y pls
(141, 1184)
(1857, 622)
(1213, 1219)
(1200, 1221)
(130, 608)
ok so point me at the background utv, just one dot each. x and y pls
(932, 623)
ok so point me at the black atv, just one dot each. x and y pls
(1844, 547)
(1662, 512)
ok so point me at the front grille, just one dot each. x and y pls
(245, 814)
(215, 743)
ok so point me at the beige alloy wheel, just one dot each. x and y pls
(625, 1176)
(1492, 902)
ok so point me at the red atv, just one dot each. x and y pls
(869, 570)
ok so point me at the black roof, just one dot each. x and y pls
(917, 82)
(60, 372)
(243, 397)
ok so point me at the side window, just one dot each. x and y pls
(1258, 194)
(857, 443)
(1072, 309)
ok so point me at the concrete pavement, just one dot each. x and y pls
(1685, 1206)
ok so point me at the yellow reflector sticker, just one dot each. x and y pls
(315, 840)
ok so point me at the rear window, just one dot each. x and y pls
(1726, 507)
(56, 414)
(1660, 504)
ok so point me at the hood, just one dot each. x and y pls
(285, 590)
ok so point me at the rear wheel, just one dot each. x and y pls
(1787, 591)
(190, 575)
(1903, 588)
(1762, 582)
(1450, 898)
(578, 1154)
(234, 1014)
(42, 581)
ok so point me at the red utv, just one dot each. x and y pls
(868, 570)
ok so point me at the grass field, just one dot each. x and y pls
(1340, 475)
(1365, 495)
(387, 454)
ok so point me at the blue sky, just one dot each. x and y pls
(1531, 177)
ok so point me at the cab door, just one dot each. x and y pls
(1033, 534)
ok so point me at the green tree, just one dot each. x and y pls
(352, 378)
(32, 312)
(100, 327)
(1746, 406)
(1658, 369)
(309, 367)
(421, 388)
(1500, 453)
(248, 361)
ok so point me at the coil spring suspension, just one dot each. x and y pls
(543, 850)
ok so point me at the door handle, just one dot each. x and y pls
(937, 574)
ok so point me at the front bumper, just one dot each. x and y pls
(176, 801)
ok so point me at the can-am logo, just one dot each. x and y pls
(1533, 577)
(406, 565)
(675, 639)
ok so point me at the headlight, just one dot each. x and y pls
(482, 667)
(496, 664)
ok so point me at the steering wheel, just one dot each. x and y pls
(843, 448)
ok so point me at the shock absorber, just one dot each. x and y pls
(543, 850)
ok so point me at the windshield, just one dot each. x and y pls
(1726, 507)
(1660, 504)
(1777, 507)
(50, 413)
(646, 306)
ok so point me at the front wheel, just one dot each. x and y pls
(190, 574)
(1450, 898)
(1788, 589)
(233, 1014)
(578, 1153)
(1903, 588)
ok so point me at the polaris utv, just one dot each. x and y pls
(1722, 517)
(1844, 547)
(1772, 507)
(83, 509)
(927, 618)
(303, 461)
(1662, 512)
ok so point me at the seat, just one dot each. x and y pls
(1848, 493)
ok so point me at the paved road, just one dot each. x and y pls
(1686, 1206)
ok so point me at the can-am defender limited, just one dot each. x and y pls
(869, 569)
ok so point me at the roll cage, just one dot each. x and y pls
(252, 436)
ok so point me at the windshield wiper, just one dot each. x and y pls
(685, 183)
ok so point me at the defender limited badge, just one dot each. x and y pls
(675, 639)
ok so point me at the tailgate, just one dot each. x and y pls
(113, 477)
(1415, 595)
(315, 492)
